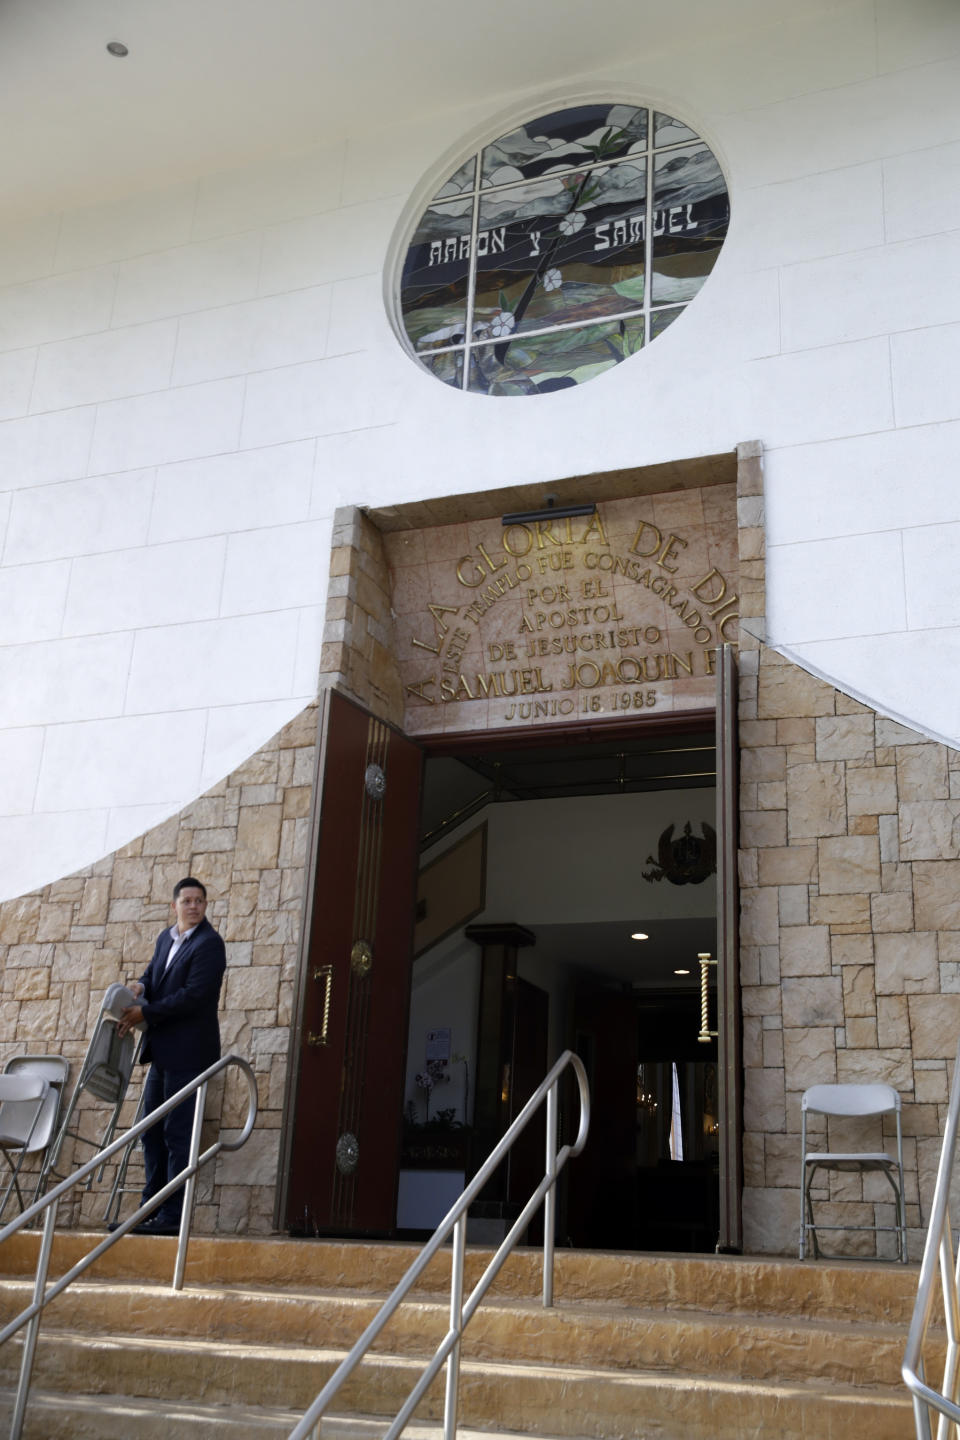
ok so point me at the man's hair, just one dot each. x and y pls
(188, 883)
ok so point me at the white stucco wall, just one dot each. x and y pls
(193, 378)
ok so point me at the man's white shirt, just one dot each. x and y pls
(178, 940)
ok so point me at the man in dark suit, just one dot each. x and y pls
(178, 992)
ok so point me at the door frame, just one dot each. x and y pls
(526, 737)
(294, 1049)
(729, 1017)
(720, 722)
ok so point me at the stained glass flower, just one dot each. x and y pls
(552, 279)
(502, 323)
(573, 222)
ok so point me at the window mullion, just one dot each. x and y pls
(471, 276)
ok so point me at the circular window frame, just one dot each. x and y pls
(504, 123)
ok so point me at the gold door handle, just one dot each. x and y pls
(323, 972)
(706, 1034)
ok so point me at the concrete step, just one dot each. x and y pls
(116, 1417)
(854, 1290)
(672, 1347)
(563, 1401)
(759, 1347)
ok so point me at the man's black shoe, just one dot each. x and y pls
(148, 1227)
(156, 1227)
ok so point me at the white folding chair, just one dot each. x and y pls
(55, 1069)
(23, 1100)
(848, 1102)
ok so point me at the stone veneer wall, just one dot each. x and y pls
(850, 937)
(850, 924)
(850, 892)
(248, 840)
(358, 654)
(60, 947)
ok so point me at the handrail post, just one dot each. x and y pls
(45, 1290)
(454, 1224)
(938, 1256)
(951, 1310)
(186, 1214)
(452, 1394)
(921, 1410)
(33, 1324)
(550, 1199)
(954, 1306)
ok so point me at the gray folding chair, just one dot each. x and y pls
(23, 1101)
(55, 1069)
(104, 1074)
(848, 1102)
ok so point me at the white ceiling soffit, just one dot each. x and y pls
(210, 84)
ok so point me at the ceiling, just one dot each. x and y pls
(214, 84)
(455, 789)
(607, 949)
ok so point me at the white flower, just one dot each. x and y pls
(502, 323)
(573, 222)
(552, 280)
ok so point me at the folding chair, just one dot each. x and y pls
(850, 1101)
(23, 1100)
(55, 1069)
(105, 1074)
(121, 1186)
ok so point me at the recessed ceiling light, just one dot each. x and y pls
(681, 972)
(117, 47)
(639, 935)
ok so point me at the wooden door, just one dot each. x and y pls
(345, 1119)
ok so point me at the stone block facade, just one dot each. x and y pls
(850, 929)
(850, 911)
(248, 839)
(850, 925)
(359, 653)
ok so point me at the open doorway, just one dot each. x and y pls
(540, 864)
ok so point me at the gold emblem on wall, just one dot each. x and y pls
(688, 860)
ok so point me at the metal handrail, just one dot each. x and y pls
(30, 1316)
(938, 1253)
(461, 1311)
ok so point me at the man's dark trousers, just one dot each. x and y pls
(166, 1145)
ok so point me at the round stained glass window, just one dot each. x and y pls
(562, 248)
